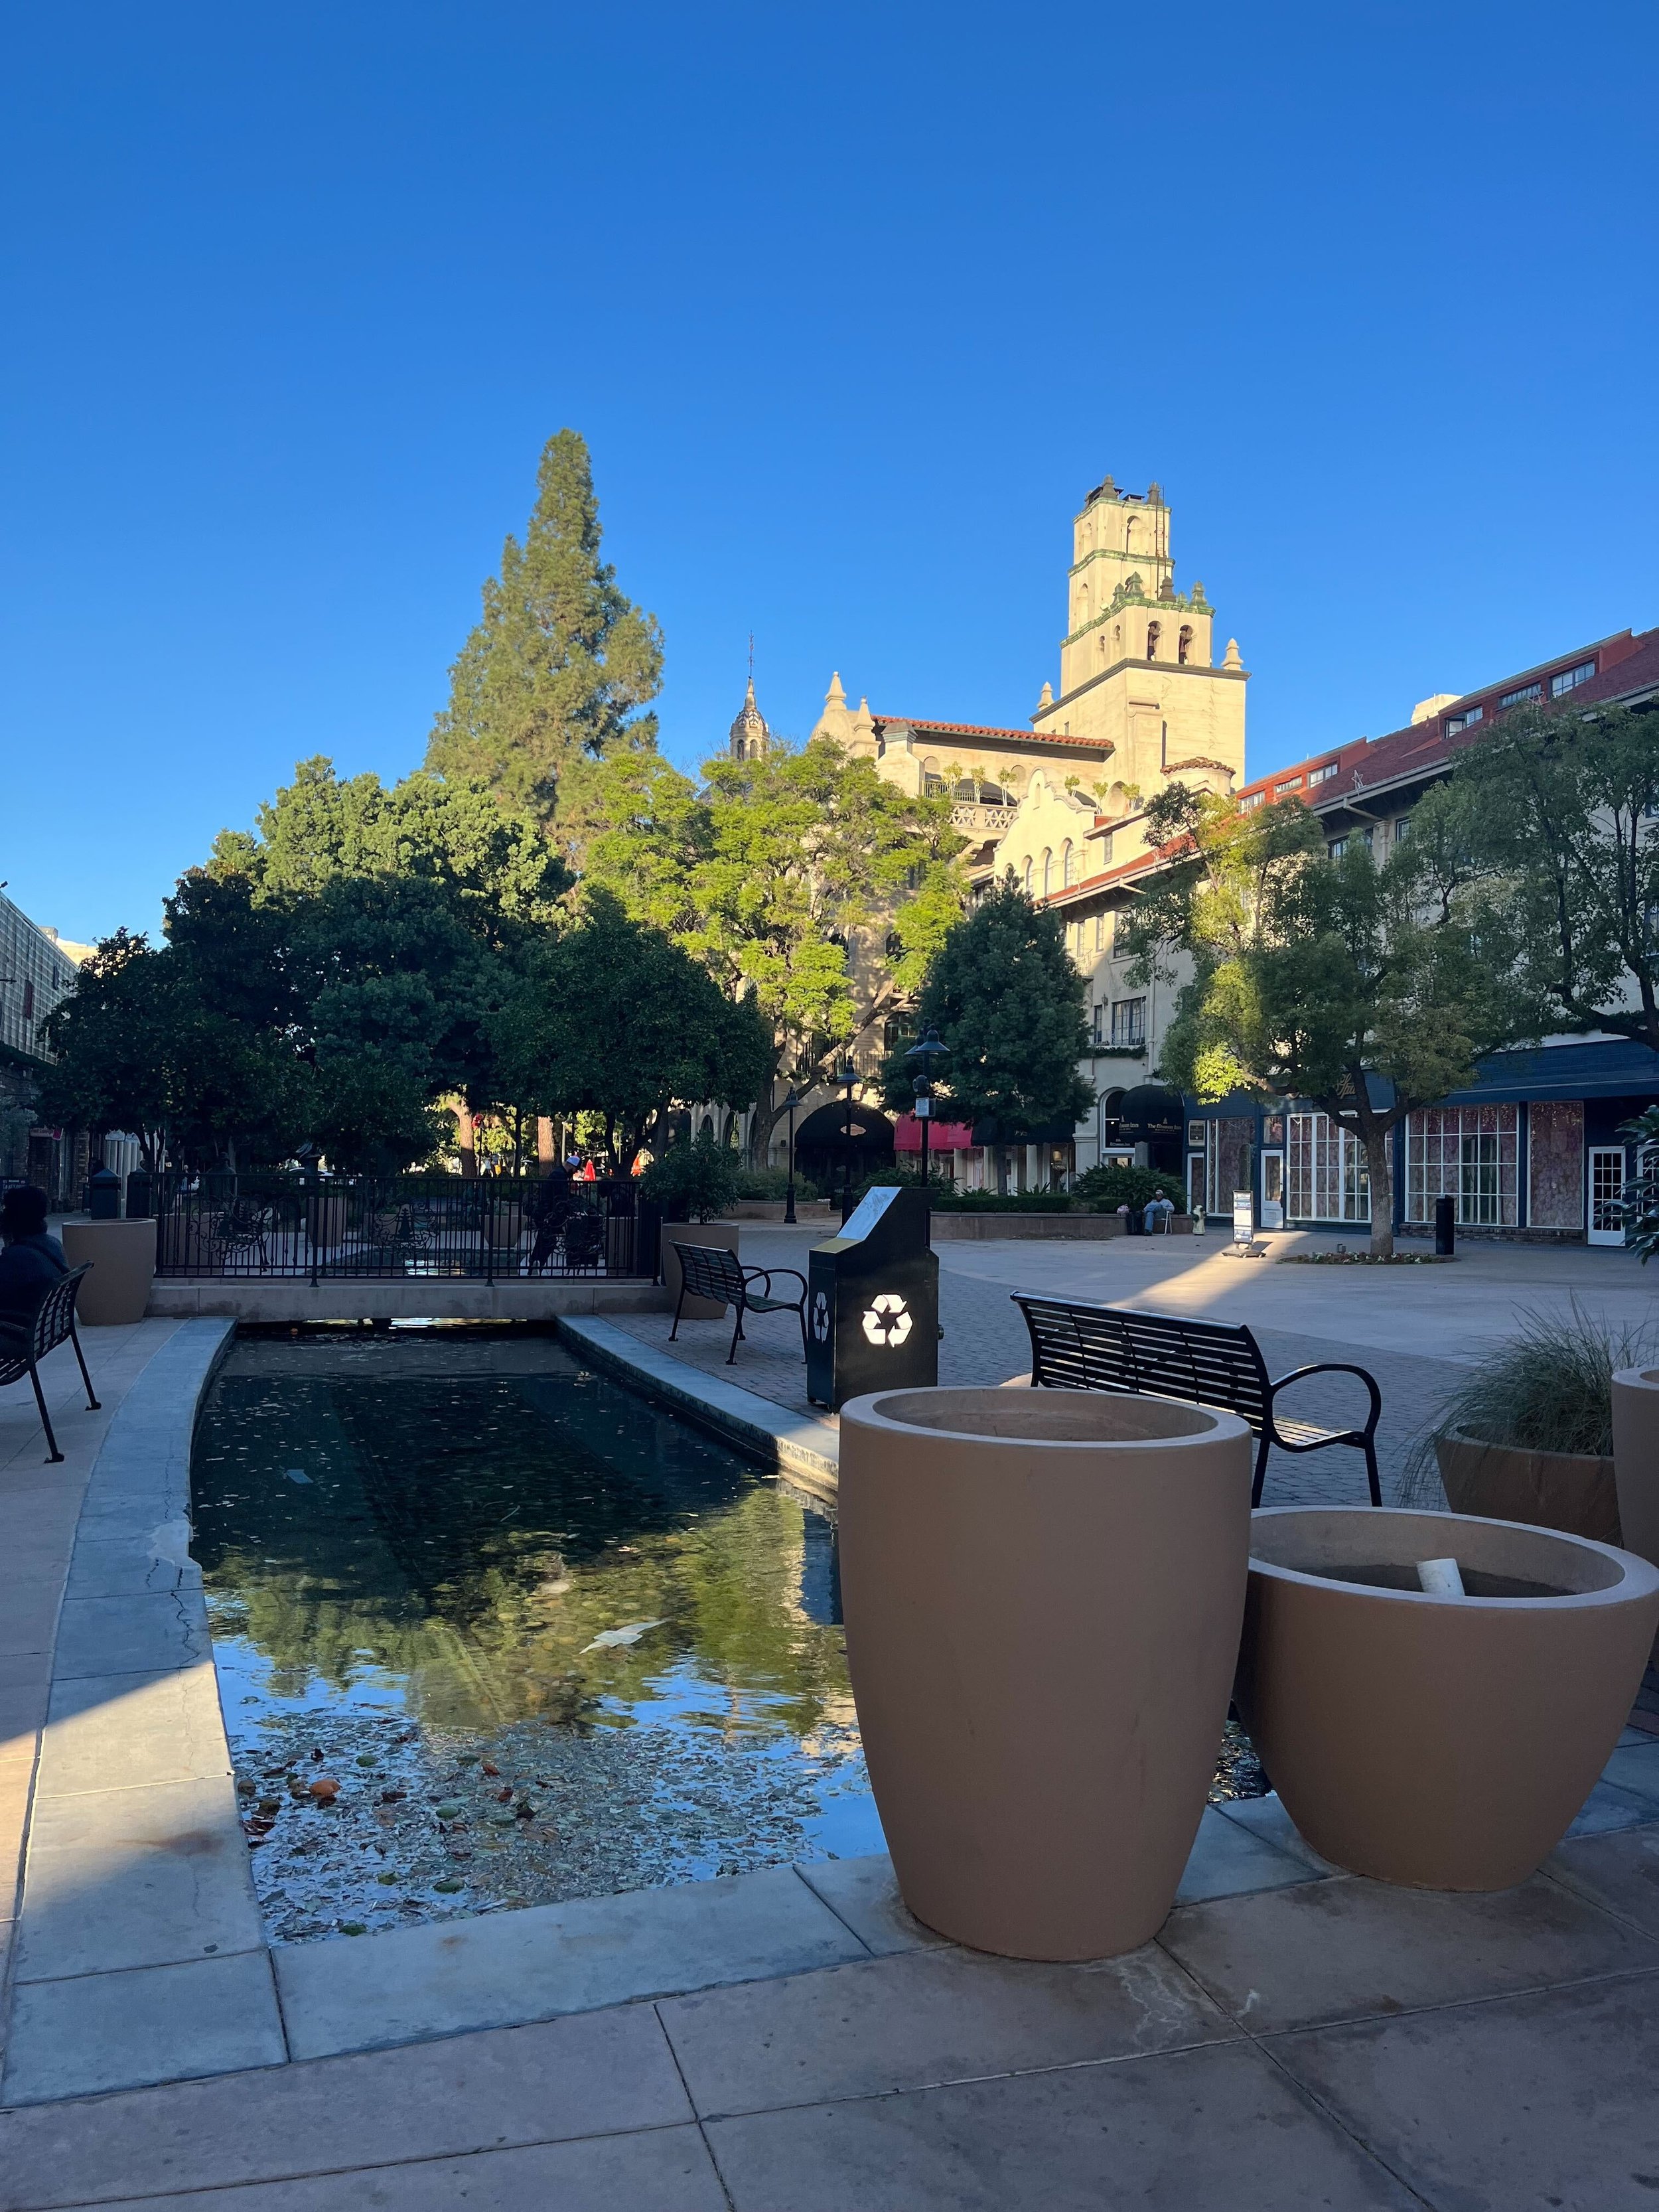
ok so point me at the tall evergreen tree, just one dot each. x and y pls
(553, 674)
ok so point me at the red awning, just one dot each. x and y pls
(946, 1137)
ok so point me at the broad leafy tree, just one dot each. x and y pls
(1560, 814)
(1371, 991)
(561, 660)
(1008, 1001)
(803, 882)
(615, 1019)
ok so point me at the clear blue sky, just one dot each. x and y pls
(852, 306)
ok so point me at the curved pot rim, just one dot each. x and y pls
(1637, 1579)
(1639, 1378)
(866, 1411)
(1526, 1451)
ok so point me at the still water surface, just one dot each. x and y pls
(491, 1631)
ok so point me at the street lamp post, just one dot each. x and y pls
(790, 1104)
(929, 1049)
(845, 1080)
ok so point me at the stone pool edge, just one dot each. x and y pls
(805, 1452)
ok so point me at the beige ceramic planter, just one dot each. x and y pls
(1574, 1492)
(122, 1255)
(1042, 1592)
(1636, 1458)
(1439, 1743)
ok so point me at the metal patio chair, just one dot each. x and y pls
(25, 1343)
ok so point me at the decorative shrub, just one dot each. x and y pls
(701, 1178)
(1108, 1187)
(771, 1183)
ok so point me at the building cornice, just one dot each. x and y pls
(1161, 667)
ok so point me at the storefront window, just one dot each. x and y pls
(1466, 1152)
(1327, 1176)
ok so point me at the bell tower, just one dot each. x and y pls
(1137, 664)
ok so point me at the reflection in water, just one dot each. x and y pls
(543, 1640)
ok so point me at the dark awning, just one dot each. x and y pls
(1152, 1110)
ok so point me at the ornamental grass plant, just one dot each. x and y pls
(1548, 1388)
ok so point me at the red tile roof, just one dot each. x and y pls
(987, 730)
(1626, 664)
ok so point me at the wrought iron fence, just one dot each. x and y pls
(497, 1229)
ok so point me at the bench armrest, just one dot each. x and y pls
(1331, 1367)
(765, 1274)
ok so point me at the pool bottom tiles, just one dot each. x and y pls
(492, 1632)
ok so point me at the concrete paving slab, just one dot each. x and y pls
(124, 1878)
(24, 1670)
(132, 1635)
(1265, 1817)
(28, 1613)
(916, 2021)
(22, 1712)
(1220, 2127)
(1636, 1767)
(596, 2074)
(125, 1731)
(666, 2170)
(1342, 1950)
(1532, 2101)
(863, 1893)
(149, 1565)
(364, 1992)
(1618, 1873)
(1229, 1858)
(1607, 1808)
(121, 2031)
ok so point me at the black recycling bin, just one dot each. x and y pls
(872, 1302)
(1445, 1228)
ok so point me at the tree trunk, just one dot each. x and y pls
(465, 1143)
(1379, 1163)
(544, 1143)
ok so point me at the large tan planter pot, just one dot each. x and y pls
(723, 1234)
(1042, 1592)
(122, 1255)
(1438, 1742)
(1574, 1492)
(1636, 1460)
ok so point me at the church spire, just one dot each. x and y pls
(749, 735)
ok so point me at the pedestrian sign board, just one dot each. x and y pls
(1243, 1217)
(872, 1302)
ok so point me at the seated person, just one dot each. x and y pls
(31, 1259)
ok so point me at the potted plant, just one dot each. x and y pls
(1442, 1738)
(1529, 1436)
(1043, 1591)
(691, 1183)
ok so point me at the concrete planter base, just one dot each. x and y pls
(1573, 1491)
(1438, 1742)
(1043, 1591)
(122, 1255)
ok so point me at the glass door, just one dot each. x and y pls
(1607, 1191)
(1273, 1190)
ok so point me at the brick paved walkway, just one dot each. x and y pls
(985, 1341)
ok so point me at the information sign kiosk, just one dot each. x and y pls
(872, 1302)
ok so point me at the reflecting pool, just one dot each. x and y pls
(492, 1630)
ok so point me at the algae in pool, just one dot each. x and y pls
(491, 1631)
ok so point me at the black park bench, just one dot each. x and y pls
(1204, 1363)
(708, 1271)
(25, 1342)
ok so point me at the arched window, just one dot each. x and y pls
(1184, 644)
(1048, 873)
(706, 1128)
(1066, 865)
(1028, 878)
(1154, 631)
(1129, 533)
(965, 789)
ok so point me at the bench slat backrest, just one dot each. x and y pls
(1093, 1347)
(710, 1271)
(49, 1329)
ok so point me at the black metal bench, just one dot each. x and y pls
(710, 1271)
(25, 1343)
(1206, 1363)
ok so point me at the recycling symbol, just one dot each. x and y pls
(888, 1320)
(821, 1319)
